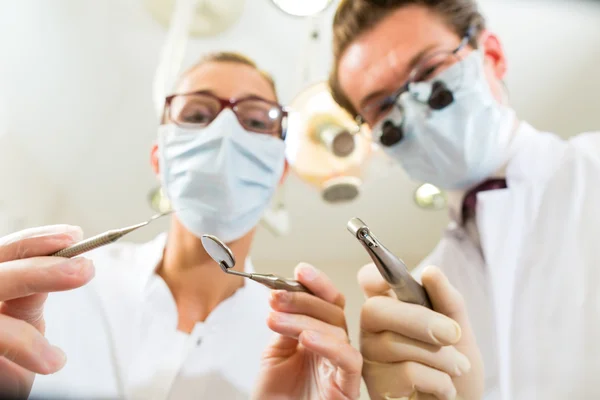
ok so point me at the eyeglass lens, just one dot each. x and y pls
(199, 110)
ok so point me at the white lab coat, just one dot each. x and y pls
(533, 290)
(121, 340)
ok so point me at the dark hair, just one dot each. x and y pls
(355, 17)
(231, 57)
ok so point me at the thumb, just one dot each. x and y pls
(444, 297)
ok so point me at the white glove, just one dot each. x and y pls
(26, 276)
(411, 351)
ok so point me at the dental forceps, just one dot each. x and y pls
(392, 269)
(218, 251)
(103, 239)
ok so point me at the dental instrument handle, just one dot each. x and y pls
(278, 283)
(392, 269)
(89, 244)
(102, 239)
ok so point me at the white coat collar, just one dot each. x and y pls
(525, 146)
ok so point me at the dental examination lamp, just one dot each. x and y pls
(203, 18)
(324, 145)
(302, 8)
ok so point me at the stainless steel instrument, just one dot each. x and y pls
(223, 256)
(392, 269)
(102, 239)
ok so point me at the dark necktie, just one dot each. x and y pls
(470, 201)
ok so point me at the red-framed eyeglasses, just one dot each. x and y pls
(198, 109)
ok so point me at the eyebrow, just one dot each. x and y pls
(244, 95)
(411, 65)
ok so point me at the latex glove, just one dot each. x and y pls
(26, 276)
(410, 350)
(311, 357)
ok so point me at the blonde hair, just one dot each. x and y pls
(230, 57)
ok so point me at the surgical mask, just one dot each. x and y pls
(219, 179)
(460, 145)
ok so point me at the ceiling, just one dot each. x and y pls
(77, 119)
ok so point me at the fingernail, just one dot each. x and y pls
(54, 358)
(308, 272)
(279, 317)
(75, 233)
(311, 336)
(451, 393)
(280, 296)
(463, 363)
(75, 266)
(444, 331)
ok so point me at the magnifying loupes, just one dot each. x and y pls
(441, 97)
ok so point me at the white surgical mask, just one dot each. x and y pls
(219, 179)
(460, 145)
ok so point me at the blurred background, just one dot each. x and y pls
(78, 116)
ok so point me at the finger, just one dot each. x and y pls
(29, 309)
(280, 347)
(372, 283)
(404, 379)
(22, 344)
(292, 325)
(305, 304)
(380, 314)
(38, 242)
(41, 231)
(444, 297)
(425, 396)
(24, 277)
(342, 355)
(319, 283)
(389, 347)
(15, 380)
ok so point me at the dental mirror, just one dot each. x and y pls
(218, 251)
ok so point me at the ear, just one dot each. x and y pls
(495, 59)
(286, 170)
(154, 159)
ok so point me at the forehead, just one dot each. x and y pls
(380, 59)
(227, 80)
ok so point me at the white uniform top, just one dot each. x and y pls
(533, 287)
(121, 339)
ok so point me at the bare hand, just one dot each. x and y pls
(311, 357)
(26, 277)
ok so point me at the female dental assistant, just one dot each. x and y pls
(521, 253)
(161, 320)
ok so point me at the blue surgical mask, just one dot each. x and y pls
(219, 179)
(460, 145)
